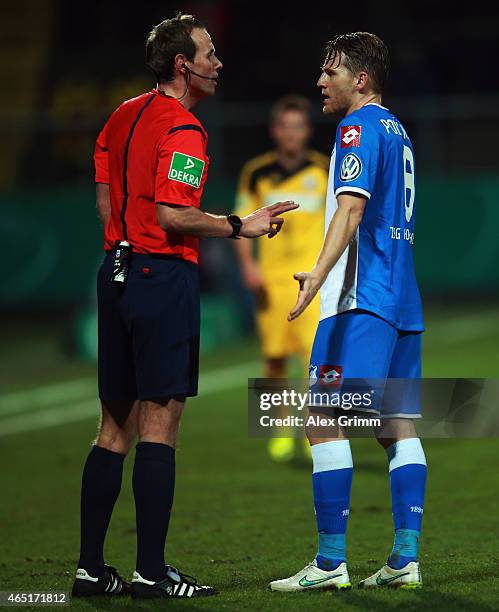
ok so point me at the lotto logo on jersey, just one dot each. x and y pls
(186, 169)
(350, 136)
(330, 375)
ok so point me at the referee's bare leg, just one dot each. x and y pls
(119, 426)
(159, 421)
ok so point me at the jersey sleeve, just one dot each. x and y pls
(182, 166)
(101, 160)
(246, 197)
(357, 157)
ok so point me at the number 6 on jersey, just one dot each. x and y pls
(409, 182)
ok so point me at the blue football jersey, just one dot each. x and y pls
(373, 156)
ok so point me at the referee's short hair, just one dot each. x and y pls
(168, 39)
(361, 51)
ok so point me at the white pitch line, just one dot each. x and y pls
(47, 395)
(81, 391)
(215, 381)
(224, 378)
(50, 417)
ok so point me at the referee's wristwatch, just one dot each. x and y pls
(236, 224)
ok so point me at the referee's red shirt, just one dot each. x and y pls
(151, 150)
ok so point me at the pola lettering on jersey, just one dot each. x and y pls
(330, 375)
(350, 136)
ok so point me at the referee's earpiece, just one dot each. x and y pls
(201, 76)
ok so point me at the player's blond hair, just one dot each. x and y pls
(361, 52)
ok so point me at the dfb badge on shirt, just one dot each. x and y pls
(350, 136)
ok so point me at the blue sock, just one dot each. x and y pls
(332, 481)
(407, 464)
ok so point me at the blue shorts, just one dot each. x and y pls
(149, 329)
(360, 345)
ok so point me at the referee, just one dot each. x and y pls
(151, 166)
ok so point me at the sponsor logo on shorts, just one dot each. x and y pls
(330, 375)
(186, 169)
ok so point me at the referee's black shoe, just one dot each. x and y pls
(109, 584)
(175, 584)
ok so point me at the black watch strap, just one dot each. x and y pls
(236, 224)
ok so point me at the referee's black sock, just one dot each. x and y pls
(100, 487)
(153, 485)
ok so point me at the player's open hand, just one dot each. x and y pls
(309, 285)
(266, 220)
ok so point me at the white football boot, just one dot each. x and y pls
(408, 577)
(312, 577)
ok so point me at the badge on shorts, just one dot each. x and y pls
(330, 375)
(186, 169)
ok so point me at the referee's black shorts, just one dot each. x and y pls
(148, 329)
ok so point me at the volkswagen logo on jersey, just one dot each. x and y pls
(351, 167)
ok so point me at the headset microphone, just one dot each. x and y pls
(199, 75)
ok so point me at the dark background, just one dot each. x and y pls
(443, 83)
(65, 66)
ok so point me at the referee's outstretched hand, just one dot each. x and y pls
(266, 220)
(309, 285)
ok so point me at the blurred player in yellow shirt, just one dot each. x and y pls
(290, 172)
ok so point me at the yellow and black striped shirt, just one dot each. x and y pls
(264, 181)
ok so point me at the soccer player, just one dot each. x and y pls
(371, 317)
(295, 172)
(151, 166)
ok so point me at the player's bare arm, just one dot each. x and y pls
(103, 202)
(250, 269)
(343, 226)
(193, 221)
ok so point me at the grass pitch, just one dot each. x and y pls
(240, 520)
